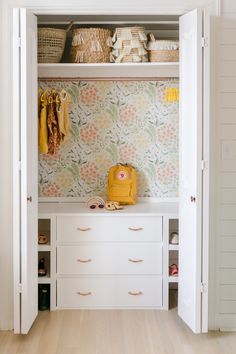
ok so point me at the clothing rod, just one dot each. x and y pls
(106, 79)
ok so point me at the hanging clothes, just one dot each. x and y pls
(43, 129)
(53, 119)
(54, 137)
(172, 94)
(63, 112)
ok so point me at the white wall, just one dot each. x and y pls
(170, 6)
(226, 168)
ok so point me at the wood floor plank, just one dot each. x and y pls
(114, 332)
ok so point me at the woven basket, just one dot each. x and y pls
(163, 50)
(163, 55)
(129, 45)
(51, 44)
(91, 45)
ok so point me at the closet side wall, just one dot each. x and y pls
(6, 278)
(226, 168)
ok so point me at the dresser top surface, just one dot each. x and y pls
(139, 209)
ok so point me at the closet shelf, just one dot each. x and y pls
(44, 280)
(44, 248)
(173, 247)
(173, 279)
(108, 70)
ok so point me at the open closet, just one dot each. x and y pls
(135, 258)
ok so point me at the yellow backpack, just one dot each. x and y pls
(122, 184)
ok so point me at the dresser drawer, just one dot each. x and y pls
(109, 229)
(110, 259)
(109, 292)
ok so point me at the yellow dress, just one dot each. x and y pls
(63, 101)
(43, 129)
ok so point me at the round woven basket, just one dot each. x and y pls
(129, 45)
(163, 55)
(51, 44)
(91, 45)
(162, 50)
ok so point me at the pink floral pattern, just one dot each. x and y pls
(114, 121)
(89, 172)
(51, 190)
(166, 132)
(88, 95)
(88, 133)
(127, 114)
(128, 152)
(166, 173)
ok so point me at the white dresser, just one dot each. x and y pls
(110, 259)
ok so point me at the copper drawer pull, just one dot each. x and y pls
(135, 293)
(84, 294)
(81, 229)
(84, 260)
(135, 228)
(135, 260)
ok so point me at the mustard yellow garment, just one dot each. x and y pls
(172, 94)
(43, 129)
(63, 101)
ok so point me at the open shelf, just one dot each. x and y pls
(44, 248)
(44, 280)
(109, 70)
(173, 247)
(173, 279)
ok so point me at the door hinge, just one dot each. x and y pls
(203, 287)
(20, 288)
(19, 41)
(203, 165)
(204, 42)
(19, 165)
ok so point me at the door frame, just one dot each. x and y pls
(207, 83)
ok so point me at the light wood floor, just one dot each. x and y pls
(114, 332)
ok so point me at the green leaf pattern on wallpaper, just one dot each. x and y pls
(110, 122)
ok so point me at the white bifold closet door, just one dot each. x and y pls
(25, 169)
(190, 184)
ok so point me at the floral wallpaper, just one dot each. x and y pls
(110, 122)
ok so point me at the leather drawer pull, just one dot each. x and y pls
(135, 228)
(81, 229)
(138, 293)
(84, 260)
(135, 260)
(84, 294)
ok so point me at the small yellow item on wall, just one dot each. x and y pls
(172, 94)
(122, 184)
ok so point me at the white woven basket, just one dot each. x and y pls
(130, 44)
(162, 50)
(51, 44)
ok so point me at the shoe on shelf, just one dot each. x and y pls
(110, 205)
(42, 271)
(173, 270)
(174, 238)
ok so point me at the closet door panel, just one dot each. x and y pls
(189, 304)
(26, 155)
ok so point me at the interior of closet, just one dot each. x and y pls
(119, 112)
